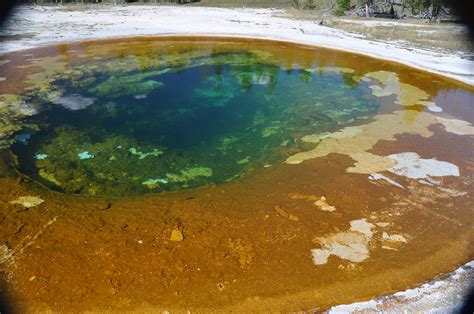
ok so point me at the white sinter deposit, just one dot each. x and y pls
(438, 296)
(351, 245)
(412, 166)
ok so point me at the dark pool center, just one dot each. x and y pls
(156, 129)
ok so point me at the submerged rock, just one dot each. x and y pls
(28, 201)
(393, 237)
(85, 155)
(323, 205)
(176, 235)
(41, 156)
(282, 212)
(392, 241)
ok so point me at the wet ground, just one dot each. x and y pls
(365, 205)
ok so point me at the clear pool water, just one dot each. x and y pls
(166, 127)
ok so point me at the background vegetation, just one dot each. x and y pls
(338, 7)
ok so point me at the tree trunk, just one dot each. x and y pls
(367, 15)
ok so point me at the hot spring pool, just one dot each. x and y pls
(258, 157)
(147, 122)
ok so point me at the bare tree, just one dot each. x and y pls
(367, 3)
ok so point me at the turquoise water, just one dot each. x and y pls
(210, 121)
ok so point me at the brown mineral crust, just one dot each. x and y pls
(282, 212)
(92, 259)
